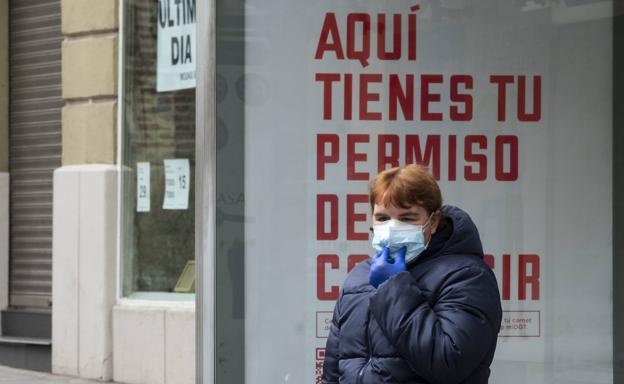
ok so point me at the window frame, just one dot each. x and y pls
(205, 180)
(618, 191)
(149, 298)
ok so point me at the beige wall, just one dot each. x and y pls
(89, 81)
(4, 85)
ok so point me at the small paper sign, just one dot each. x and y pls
(177, 184)
(143, 187)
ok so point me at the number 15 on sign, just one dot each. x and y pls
(177, 180)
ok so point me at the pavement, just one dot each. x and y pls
(19, 376)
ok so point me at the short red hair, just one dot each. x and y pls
(405, 187)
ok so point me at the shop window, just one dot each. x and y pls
(158, 151)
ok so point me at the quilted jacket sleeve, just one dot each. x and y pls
(331, 373)
(445, 340)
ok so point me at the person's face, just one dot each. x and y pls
(415, 214)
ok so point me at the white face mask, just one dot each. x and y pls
(396, 234)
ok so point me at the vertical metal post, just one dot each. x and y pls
(205, 192)
(618, 191)
(121, 116)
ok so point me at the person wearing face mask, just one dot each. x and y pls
(425, 308)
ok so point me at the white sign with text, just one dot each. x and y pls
(176, 45)
(143, 187)
(177, 180)
(509, 107)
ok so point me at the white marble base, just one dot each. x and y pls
(154, 343)
(84, 270)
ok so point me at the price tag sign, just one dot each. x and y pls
(143, 187)
(177, 183)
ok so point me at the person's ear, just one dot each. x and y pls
(435, 221)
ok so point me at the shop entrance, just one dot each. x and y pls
(34, 146)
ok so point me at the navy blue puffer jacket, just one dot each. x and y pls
(436, 323)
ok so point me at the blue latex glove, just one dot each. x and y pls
(383, 266)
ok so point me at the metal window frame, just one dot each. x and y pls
(121, 169)
(121, 86)
(618, 191)
(205, 192)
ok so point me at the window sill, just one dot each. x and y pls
(159, 299)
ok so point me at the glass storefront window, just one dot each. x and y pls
(158, 151)
(508, 102)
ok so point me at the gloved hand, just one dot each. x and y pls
(383, 267)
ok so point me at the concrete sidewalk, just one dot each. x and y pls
(18, 376)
